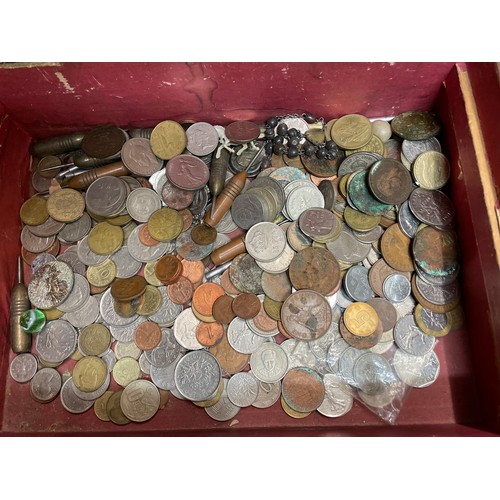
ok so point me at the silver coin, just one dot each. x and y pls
(302, 198)
(338, 400)
(40, 260)
(432, 207)
(49, 228)
(35, 244)
(126, 265)
(269, 363)
(87, 256)
(393, 393)
(242, 389)
(439, 295)
(406, 307)
(226, 224)
(294, 122)
(382, 347)
(57, 341)
(223, 410)
(163, 376)
(412, 149)
(140, 400)
(127, 350)
(106, 196)
(158, 180)
(296, 238)
(347, 360)
(373, 373)
(126, 333)
(433, 320)
(109, 314)
(411, 339)
(347, 248)
(143, 253)
(168, 312)
(197, 375)
(185, 330)
(407, 222)
(396, 288)
(298, 353)
(343, 300)
(141, 203)
(281, 263)
(50, 285)
(174, 392)
(267, 394)
(241, 338)
(70, 257)
(144, 364)
(369, 236)
(85, 315)
(335, 351)
(356, 284)
(70, 401)
(202, 139)
(110, 360)
(23, 367)
(92, 396)
(75, 231)
(45, 385)
(265, 241)
(166, 352)
(357, 161)
(78, 296)
(319, 347)
(416, 371)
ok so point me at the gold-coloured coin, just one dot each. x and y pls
(361, 319)
(89, 373)
(100, 406)
(291, 412)
(33, 211)
(168, 139)
(328, 129)
(316, 136)
(423, 325)
(105, 239)
(127, 229)
(150, 275)
(164, 397)
(51, 314)
(114, 409)
(126, 370)
(431, 170)
(352, 131)
(374, 145)
(359, 221)
(165, 224)
(101, 275)
(77, 355)
(66, 205)
(272, 308)
(150, 302)
(48, 364)
(119, 220)
(214, 400)
(342, 185)
(94, 340)
(316, 244)
(457, 318)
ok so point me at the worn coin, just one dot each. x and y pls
(385, 311)
(389, 181)
(431, 170)
(139, 158)
(105, 239)
(265, 241)
(242, 389)
(302, 198)
(94, 340)
(337, 401)
(415, 125)
(187, 172)
(140, 400)
(141, 203)
(50, 227)
(33, 211)
(35, 244)
(412, 149)
(411, 339)
(351, 131)
(126, 370)
(347, 248)
(45, 385)
(395, 246)
(102, 274)
(243, 339)
(114, 410)
(269, 363)
(360, 342)
(89, 373)
(267, 394)
(356, 284)
(70, 400)
(223, 410)
(100, 406)
(245, 274)
(78, 295)
(432, 207)
(23, 367)
(65, 205)
(51, 285)
(303, 389)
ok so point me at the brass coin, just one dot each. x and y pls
(151, 301)
(203, 234)
(315, 135)
(66, 205)
(51, 314)
(168, 139)
(374, 145)
(328, 129)
(47, 162)
(352, 131)
(114, 410)
(119, 220)
(33, 211)
(431, 170)
(272, 308)
(432, 323)
(150, 275)
(77, 355)
(165, 224)
(100, 406)
(415, 125)
(105, 239)
(89, 373)
(126, 370)
(395, 247)
(457, 318)
(94, 340)
(101, 275)
(291, 412)
(164, 397)
(359, 221)
(361, 319)
(126, 309)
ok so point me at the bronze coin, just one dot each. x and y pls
(314, 269)
(395, 247)
(127, 309)
(272, 308)
(145, 237)
(181, 291)
(245, 274)
(242, 131)
(102, 142)
(246, 305)
(322, 167)
(168, 269)
(222, 310)
(187, 172)
(415, 125)
(303, 389)
(227, 284)
(193, 270)
(230, 361)
(138, 157)
(389, 181)
(276, 286)
(209, 334)
(317, 222)
(114, 410)
(126, 289)
(358, 341)
(205, 296)
(47, 162)
(386, 312)
(377, 274)
(147, 335)
(176, 198)
(203, 234)
(187, 219)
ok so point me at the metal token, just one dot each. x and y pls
(415, 125)
(411, 339)
(416, 371)
(396, 288)
(296, 238)
(189, 250)
(108, 312)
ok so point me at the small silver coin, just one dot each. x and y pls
(356, 284)
(241, 338)
(396, 288)
(23, 367)
(439, 295)
(265, 241)
(411, 339)
(45, 385)
(298, 353)
(223, 410)
(126, 265)
(302, 198)
(163, 377)
(185, 330)
(166, 352)
(242, 389)
(348, 248)
(143, 253)
(412, 149)
(70, 401)
(141, 203)
(85, 315)
(347, 360)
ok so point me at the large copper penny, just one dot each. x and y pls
(138, 157)
(176, 198)
(126, 289)
(193, 270)
(102, 142)
(306, 315)
(230, 361)
(181, 291)
(147, 335)
(389, 181)
(187, 172)
(246, 305)
(205, 296)
(168, 269)
(303, 389)
(395, 247)
(209, 334)
(314, 269)
(222, 310)
(276, 286)
(242, 131)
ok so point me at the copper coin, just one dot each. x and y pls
(314, 269)
(187, 172)
(303, 389)
(168, 269)
(276, 286)
(147, 335)
(193, 270)
(227, 284)
(415, 125)
(187, 219)
(205, 296)
(176, 198)
(29, 257)
(127, 309)
(222, 310)
(230, 361)
(181, 291)
(360, 342)
(242, 131)
(203, 234)
(145, 237)
(377, 274)
(436, 252)
(246, 305)
(389, 181)
(329, 192)
(102, 142)
(138, 157)
(209, 334)
(323, 167)
(395, 247)
(126, 289)
(386, 312)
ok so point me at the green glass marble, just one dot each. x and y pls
(32, 321)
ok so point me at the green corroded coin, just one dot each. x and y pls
(415, 125)
(32, 321)
(361, 197)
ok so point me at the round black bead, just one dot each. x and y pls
(278, 149)
(294, 141)
(321, 153)
(293, 151)
(309, 149)
(269, 133)
(279, 139)
(272, 122)
(330, 145)
(309, 118)
(293, 132)
(282, 129)
(269, 148)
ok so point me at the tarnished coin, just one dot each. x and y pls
(23, 367)
(245, 274)
(187, 172)
(323, 167)
(126, 289)
(359, 221)
(223, 410)
(269, 363)
(291, 412)
(202, 138)
(267, 394)
(189, 250)
(395, 246)
(150, 301)
(103, 141)
(361, 196)
(65, 205)
(357, 161)
(303, 389)
(89, 373)
(168, 312)
(276, 286)
(168, 139)
(126, 265)
(165, 224)
(105, 239)
(140, 400)
(352, 131)
(114, 409)
(416, 371)
(33, 211)
(139, 158)
(241, 131)
(432, 207)
(203, 234)
(45, 385)
(408, 223)
(176, 198)
(242, 389)
(70, 400)
(86, 255)
(50, 227)
(141, 203)
(168, 269)
(396, 288)
(306, 315)
(33, 243)
(100, 405)
(415, 125)
(222, 310)
(431, 170)
(385, 311)
(78, 295)
(389, 181)
(51, 285)
(411, 339)
(412, 149)
(106, 196)
(75, 231)
(126, 370)
(337, 401)
(437, 294)
(360, 342)
(347, 248)
(361, 319)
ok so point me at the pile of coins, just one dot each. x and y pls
(187, 260)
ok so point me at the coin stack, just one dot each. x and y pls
(343, 278)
